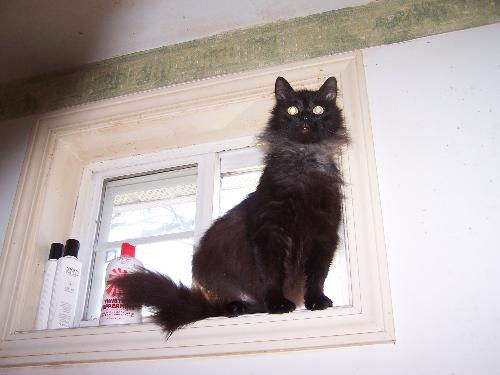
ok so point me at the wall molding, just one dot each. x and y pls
(376, 23)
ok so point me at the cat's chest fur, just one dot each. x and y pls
(299, 191)
(299, 163)
(302, 206)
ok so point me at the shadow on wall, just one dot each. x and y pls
(13, 142)
(80, 24)
(78, 33)
(81, 33)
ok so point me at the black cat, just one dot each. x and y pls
(271, 252)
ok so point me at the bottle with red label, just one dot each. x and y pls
(112, 310)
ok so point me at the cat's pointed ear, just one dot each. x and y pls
(282, 89)
(328, 91)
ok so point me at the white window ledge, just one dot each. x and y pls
(69, 148)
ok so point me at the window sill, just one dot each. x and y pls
(215, 336)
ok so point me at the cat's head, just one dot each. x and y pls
(306, 116)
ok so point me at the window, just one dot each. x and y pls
(156, 212)
(193, 137)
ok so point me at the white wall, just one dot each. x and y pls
(436, 122)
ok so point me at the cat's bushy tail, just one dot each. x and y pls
(173, 305)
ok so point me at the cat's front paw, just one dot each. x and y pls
(320, 302)
(280, 306)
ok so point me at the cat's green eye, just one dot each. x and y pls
(318, 110)
(292, 110)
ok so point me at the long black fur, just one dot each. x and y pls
(271, 252)
(173, 305)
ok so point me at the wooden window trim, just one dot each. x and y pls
(69, 148)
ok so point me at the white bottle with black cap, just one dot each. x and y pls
(65, 288)
(42, 316)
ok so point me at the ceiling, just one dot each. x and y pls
(46, 35)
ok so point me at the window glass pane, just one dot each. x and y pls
(337, 284)
(157, 214)
(153, 212)
(172, 258)
(101, 262)
(235, 186)
(110, 255)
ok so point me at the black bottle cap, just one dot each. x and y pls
(56, 250)
(72, 247)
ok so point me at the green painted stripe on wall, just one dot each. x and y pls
(376, 23)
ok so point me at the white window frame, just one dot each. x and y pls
(90, 297)
(71, 150)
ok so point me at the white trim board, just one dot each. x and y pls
(73, 148)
